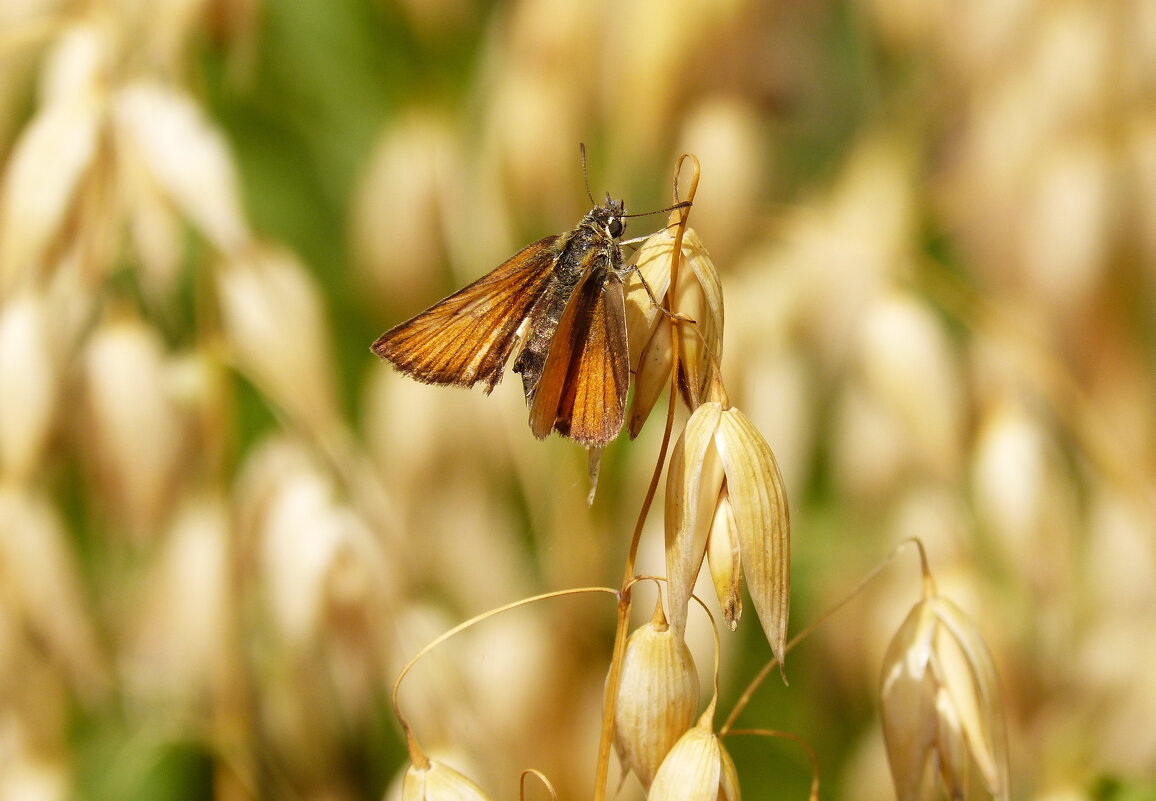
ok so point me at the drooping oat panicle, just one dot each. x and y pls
(699, 298)
(941, 705)
(722, 458)
(697, 768)
(657, 696)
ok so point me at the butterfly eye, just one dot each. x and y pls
(615, 228)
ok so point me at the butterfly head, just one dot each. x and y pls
(610, 217)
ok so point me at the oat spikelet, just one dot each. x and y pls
(941, 704)
(698, 768)
(699, 298)
(133, 422)
(437, 782)
(26, 361)
(721, 458)
(276, 328)
(53, 153)
(657, 696)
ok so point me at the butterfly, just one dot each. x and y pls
(560, 303)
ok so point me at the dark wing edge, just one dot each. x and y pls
(582, 391)
(468, 336)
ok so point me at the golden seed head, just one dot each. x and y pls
(700, 344)
(721, 455)
(723, 557)
(40, 183)
(698, 767)
(657, 697)
(941, 704)
(26, 361)
(80, 61)
(727, 134)
(276, 328)
(135, 426)
(694, 480)
(402, 209)
(910, 369)
(699, 298)
(438, 782)
(318, 560)
(758, 498)
(46, 596)
(182, 613)
(166, 134)
(651, 376)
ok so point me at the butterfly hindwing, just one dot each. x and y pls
(582, 391)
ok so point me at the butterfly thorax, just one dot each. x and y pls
(591, 247)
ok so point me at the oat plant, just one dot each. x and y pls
(726, 508)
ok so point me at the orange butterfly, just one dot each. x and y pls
(573, 357)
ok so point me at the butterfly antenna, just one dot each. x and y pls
(682, 205)
(585, 177)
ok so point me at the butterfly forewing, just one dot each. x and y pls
(468, 336)
(582, 391)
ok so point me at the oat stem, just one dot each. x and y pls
(807, 749)
(540, 776)
(620, 632)
(928, 588)
(416, 754)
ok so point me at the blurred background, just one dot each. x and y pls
(224, 527)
